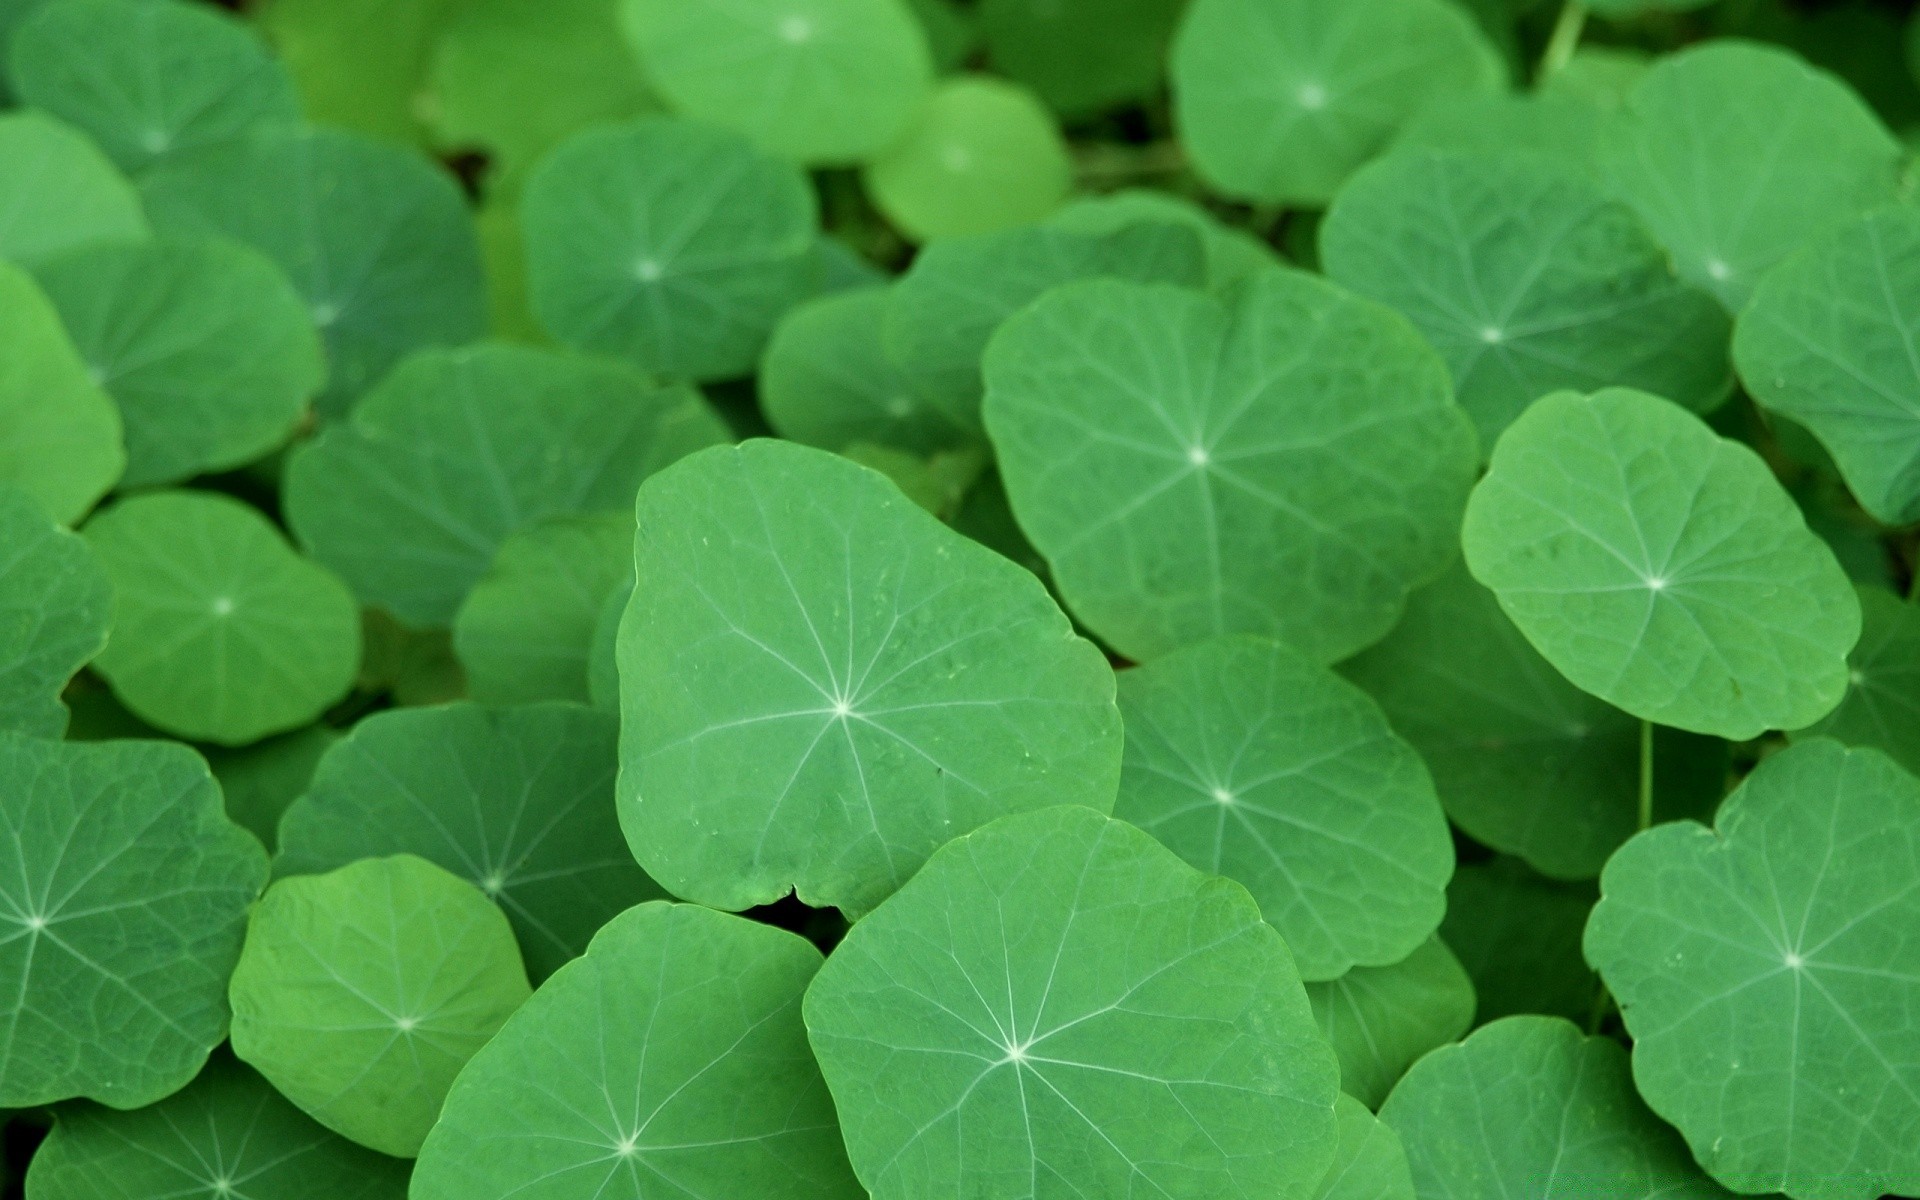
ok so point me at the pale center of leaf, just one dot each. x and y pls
(325, 314)
(1492, 336)
(842, 707)
(153, 141)
(648, 270)
(956, 158)
(1794, 960)
(36, 922)
(1656, 583)
(1718, 269)
(796, 30)
(899, 406)
(627, 1146)
(1224, 796)
(492, 884)
(223, 606)
(1198, 456)
(1856, 676)
(1016, 1053)
(1312, 96)
(406, 1024)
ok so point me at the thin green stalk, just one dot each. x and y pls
(1646, 774)
(1565, 38)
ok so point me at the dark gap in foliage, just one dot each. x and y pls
(21, 1136)
(824, 927)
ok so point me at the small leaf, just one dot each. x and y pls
(56, 604)
(1380, 1020)
(59, 433)
(361, 993)
(1882, 705)
(1119, 1020)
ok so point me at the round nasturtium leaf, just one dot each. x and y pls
(1736, 154)
(1251, 761)
(827, 380)
(1288, 461)
(942, 313)
(523, 632)
(670, 1061)
(204, 345)
(1827, 341)
(1529, 1106)
(411, 497)
(150, 80)
(122, 907)
(982, 155)
(221, 631)
(58, 191)
(518, 801)
(377, 240)
(1380, 1020)
(1280, 102)
(260, 781)
(227, 1136)
(1368, 1162)
(1661, 567)
(1768, 971)
(673, 244)
(822, 82)
(1085, 56)
(1110, 1022)
(361, 993)
(1523, 760)
(60, 435)
(821, 683)
(1527, 277)
(1882, 704)
(55, 606)
(1517, 933)
(1232, 253)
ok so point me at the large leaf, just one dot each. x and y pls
(670, 1061)
(221, 631)
(1288, 462)
(59, 432)
(1527, 1106)
(1736, 154)
(378, 241)
(411, 498)
(670, 243)
(361, 993)
(1112, 1023)
(817, 81)
(517, 801)
(1768, 971)
(55, 606)
(228, 1135)
(821, 684)
(1380, 1020)
(1882, 704)
(1661, 567)
(1527, 277)
(203, 344)
(1250, 761)
(1280, 102)
(57, 190)
(1829, 340)
(122, 908)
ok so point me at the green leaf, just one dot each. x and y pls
(1082, 57)
(943, 312)
(55, 606)
(1661, 567)
(828, 381)
(203, 344)
(1524, 761)
(822, 82)
(1563, 129)
(982, 155)
(1529, 1104)
(1828, 341)
(1250, 761)
(411, 498)
(57, 191)
(122, 909)
(221, 632)
(1288, 461)
(1882, 705)
(821, 684)
(1603, 76)
(1111, 1022)
(1737, 154)
(1769, 975)
(148, 81)
(1279, 103)
(411, 666)
(1368, 1163)
(1527, 278)
(361, 993)
(260, 781)
(674, 244)
(518, 801)
(670, 1061)
(523, 632)
(1232, 253)
(952, 31)
(228, 1134)
(1517, 934)
(59, 433)
(377, 240)
(360, 64)
(1380, 1020)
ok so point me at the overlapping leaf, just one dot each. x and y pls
(1882, 705)
(57, 190)
(1380, 1020)
(55, 606)
(60, 435)
(1368, 1162)
(1517, 933)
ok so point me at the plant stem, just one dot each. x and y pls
(1646, 774)
(1565, 37)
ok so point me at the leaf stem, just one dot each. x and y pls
(1565, 38)
(1646, 774)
